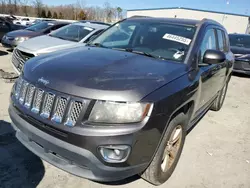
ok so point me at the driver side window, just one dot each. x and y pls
(209, 43)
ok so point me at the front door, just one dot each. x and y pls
(212, 76)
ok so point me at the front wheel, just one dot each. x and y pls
(168, 153)
(219, 101)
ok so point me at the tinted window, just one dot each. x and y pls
(209, 42)
(240, 40)
(221, 40)
(40, 26)
(166, 41)
(72, 32)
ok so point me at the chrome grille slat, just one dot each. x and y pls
(23, 92)
(59, 110)
(74, 112)
(29, 96)
(56, 108)
(37, 101)
(18, 88)
(48, 104)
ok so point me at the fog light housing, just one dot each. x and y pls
(115, 154)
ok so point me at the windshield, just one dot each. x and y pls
(159, 40)
(72, 32)
(240, 41)
(39, 26)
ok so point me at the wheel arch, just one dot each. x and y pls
(188, 109)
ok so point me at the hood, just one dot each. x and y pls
(46, 44)
(17, 26)
(240, 50)
(23, 33)
(103, 74)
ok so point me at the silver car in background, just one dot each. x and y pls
(70, 36)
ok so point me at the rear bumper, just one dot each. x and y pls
(242, 67)
(241, 71)
(68, 157)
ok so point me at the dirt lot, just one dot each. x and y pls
(216, 153)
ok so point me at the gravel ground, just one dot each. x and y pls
(216, 153)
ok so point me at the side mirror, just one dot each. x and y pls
(213, 57)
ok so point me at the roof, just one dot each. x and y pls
(92, 25)
(94, 22)
(168, 20)
(56, 22)
(166, 8)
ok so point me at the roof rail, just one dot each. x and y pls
(138, 16)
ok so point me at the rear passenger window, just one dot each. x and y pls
(221, 40)
(227, 45)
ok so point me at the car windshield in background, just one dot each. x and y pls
(72, 32)
(158, 40)
(240, 41)
(39, 26)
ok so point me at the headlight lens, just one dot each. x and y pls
(21, 39)
(114, 112)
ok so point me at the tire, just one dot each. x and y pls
(219, 101)
(155, 174)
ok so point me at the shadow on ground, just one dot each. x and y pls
(10, 50)
(18, 166)
(2, 53)
(241, 75)
(121, 182)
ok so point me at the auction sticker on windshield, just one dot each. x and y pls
(177, 38)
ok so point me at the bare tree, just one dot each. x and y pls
(71, 11)
(25, 4)
(38, 4)
(109, 11)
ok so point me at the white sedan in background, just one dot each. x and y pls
(70, 36)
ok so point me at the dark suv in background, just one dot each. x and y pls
(240, 46)
(6, 25)
(123, 104)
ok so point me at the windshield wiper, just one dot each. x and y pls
(96, 45)
(139, 52)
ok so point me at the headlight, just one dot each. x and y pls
(41, 53)
(115, 112)
(21, 39)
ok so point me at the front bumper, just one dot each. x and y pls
(242, 66)
(68, 157)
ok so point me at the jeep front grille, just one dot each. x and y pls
(37, 101)
(29, 96)
(60, 109)
(49, 105)
(23, 92)
(18, 88)
(74, 112)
